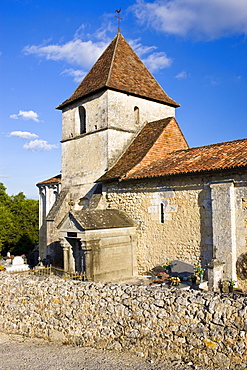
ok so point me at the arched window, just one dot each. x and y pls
(136, 115)
(82, 115)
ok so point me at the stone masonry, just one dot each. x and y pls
(203, 327)
(196, 222)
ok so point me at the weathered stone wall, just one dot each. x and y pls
(206, 328)
(110, 126)
(112, 109)
(185, 230)
(182, 235)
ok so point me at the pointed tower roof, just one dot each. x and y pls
(120, 69)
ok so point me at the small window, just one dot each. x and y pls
(82, 115)
(162, 216)
(71, 234)
(136, 115)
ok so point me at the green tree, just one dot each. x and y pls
(18, 223)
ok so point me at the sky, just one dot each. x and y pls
(196, 49)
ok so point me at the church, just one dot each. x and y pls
(132, 195)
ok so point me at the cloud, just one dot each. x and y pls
(23, 134)
(157, 61)
(78, 74)
(181, 76)
(208, 19)
(85, 53)
(76, 52)
(212, 81)
(26, 115)
(139, 48)
(38, 145)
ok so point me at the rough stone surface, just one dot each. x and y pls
(242, 266)
(161, 323)
(185, 231)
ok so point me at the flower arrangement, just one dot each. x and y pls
(231, 282)
(162, 275)
(175, 280)
(199, 270)
(156, 281)
(167, 266)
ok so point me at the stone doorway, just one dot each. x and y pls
(79, 254)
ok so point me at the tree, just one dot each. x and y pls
(19, 223)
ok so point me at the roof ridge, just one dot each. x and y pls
(164, 121)
(113, 57)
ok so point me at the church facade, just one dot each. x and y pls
(132, 194)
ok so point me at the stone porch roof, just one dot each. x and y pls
(101, 219)
(120, 69)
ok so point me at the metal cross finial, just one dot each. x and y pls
(118, 17)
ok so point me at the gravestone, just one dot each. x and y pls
(17, 265)
(182, 269)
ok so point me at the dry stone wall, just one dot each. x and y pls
(203, 327)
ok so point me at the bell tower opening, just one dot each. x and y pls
(82, 116)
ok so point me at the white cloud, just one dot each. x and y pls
(23, 134)
(208, 19)
(85, 53)
(14, 116)
(38, 145)
(26, 115)
(181, 76)
(77, 74)
(139, 48)
(82, 53)
(157, 61)
(212, 81)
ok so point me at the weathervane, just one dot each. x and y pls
(118, 17)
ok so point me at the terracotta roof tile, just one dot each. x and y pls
(155, 140)
(119, 68)
(52, 180)
(215, 157)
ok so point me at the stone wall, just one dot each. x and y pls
(206, 328)
(110, 126)
(185, 230)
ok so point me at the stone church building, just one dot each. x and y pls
(132, 194)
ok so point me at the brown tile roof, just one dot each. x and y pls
(52, 180)
(119, 68)
(155, 140)
(161, 150)
(215, 157)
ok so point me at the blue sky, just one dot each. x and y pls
(196, 49)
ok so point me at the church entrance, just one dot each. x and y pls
(78, 254)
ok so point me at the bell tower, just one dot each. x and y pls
(103, 115)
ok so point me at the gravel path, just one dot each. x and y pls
(19, 353)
